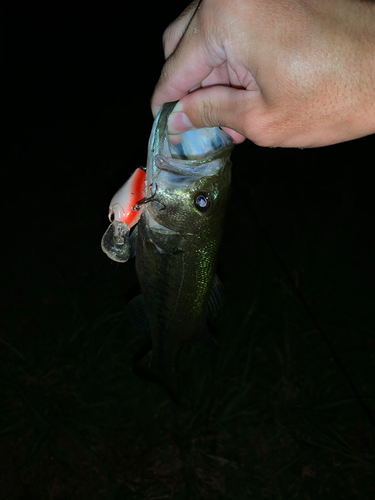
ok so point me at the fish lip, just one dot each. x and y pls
(188, 167)
(163, 163)
(190, 171)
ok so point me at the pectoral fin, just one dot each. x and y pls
(215, 302)
(214, 307)
(136, 312)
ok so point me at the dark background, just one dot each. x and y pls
(76, 89)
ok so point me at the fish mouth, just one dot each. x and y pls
(195, 145)
(199, 144)
(196, 154)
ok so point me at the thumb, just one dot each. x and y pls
(218, 105)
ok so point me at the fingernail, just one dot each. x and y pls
(178, 123)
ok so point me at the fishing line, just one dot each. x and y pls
(304, 302)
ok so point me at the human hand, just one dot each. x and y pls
(293, 73)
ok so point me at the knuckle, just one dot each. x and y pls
(209, 113)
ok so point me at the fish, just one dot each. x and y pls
(178, 238)
(124, 213)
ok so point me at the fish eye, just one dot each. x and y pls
(202, 202)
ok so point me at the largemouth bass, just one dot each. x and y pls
(179, 233)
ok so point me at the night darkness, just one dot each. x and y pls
(284, 408)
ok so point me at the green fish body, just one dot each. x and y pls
(179, 234)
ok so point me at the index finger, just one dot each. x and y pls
(175, 31)
(185, 69)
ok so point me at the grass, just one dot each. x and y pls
(269, 415)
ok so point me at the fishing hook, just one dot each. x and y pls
(145, 200)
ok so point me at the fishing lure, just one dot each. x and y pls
(125, 210)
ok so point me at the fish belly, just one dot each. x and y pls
(176, 278)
